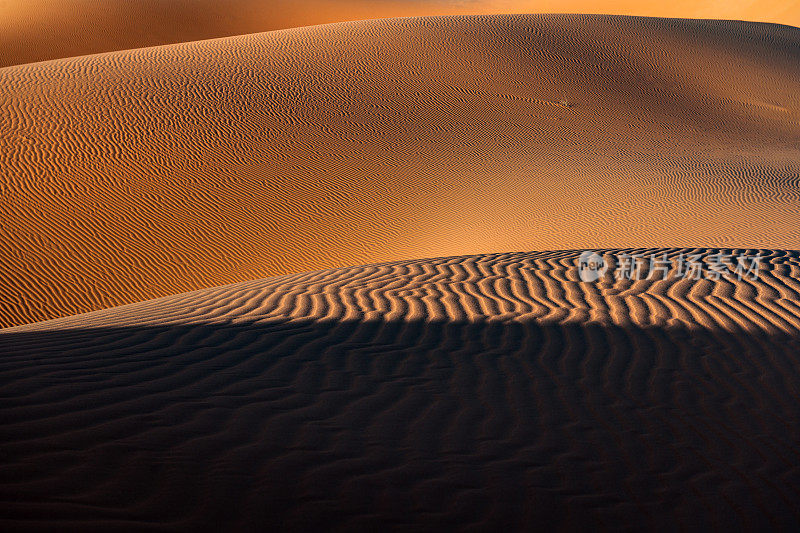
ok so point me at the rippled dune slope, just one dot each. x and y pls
(137, 174)
(488, 391)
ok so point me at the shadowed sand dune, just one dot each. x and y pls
(132, 175)
(36, 30)
(486, 391)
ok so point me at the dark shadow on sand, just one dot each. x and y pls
(419, 425)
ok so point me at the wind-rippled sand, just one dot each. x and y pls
(480, 390)
(487, 391)
(138, 174)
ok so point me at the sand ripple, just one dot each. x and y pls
(132, 175)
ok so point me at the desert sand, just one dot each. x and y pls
(134, 175)
(219, 314)
(38, 30)
(491, 391)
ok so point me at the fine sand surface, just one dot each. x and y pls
(487, 391)
(37, 30)
(133, 175)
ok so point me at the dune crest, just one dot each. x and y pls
(132, 175)
(669, 287)
(38, 30)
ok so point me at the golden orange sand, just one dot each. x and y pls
(133, 175)
(496, 391)
(36, 30)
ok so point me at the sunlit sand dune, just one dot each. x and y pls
(132, 175)
(491, 392)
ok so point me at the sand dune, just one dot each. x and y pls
(133, 175)
(485, 391)
(37, 30)
(495, 391)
